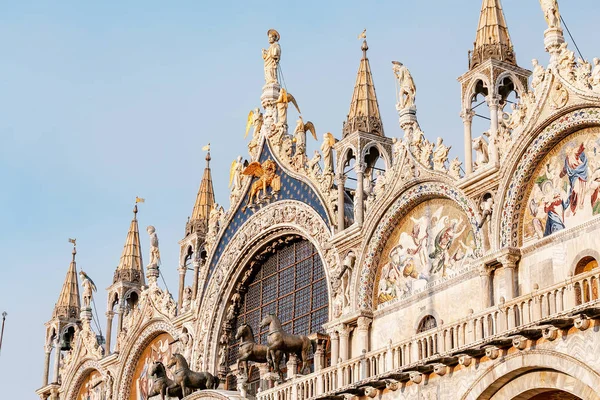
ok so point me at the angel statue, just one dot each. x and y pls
(88, 288)
(282, 103)
(408, 90)
(327, 150)
(255, 119)
(154, 252)
(551, 13)
(440, 155)
(272, 56)
(300, 135)
(267, 178)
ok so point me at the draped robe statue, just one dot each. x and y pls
(272, 56)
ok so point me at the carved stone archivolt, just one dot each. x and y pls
(81, 373)
(375, 240)
(130, 358)
(281, 218)
(524, 159)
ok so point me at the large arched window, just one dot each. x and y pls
(290, 283)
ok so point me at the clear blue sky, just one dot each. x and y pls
(103, 101)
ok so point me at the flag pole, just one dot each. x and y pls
(4, 314)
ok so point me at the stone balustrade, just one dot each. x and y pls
(540, 313)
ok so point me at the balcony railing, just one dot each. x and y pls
(530, 316)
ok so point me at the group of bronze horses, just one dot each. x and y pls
(184, 382)
(279, 343)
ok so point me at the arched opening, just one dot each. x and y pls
(350, 181)
(428, 322)
(287, 279)
(587, 290)
(375, 168)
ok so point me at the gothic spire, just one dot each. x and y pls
(68, 304)
(206, 196)
(364, 109)
(492, 40)
(130, 267)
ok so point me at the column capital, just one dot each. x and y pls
(340, 178)
(110, 314)
(485, 270)
(467, 115)
(48, 348)
(182, 270)
(360, 167)
(509, 260)
(344, 330)
(333, 335)
(493, 100)
(363, 323)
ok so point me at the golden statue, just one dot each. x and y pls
(282, 103)
(272, 56)
(266, 175)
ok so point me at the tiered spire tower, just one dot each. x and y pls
(364, 109)
(69, 304)
(492, 40)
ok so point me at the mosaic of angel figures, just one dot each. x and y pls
(158, 350)
(565, 188)
(93, 387)
(433, 240)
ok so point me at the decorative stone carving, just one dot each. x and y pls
(88, 288)
(440, 369)
(405, 84)
(454, 170)
(465, 360)
(583, 74)
(538, 77)
(566, 63)
(492, 352)
(392, 384)
(551, 13)
(236, 180)
(425, 150)
(255, 119)
(371, 392)
(416, 377)
(482, 157)
(519, 342)
(550, 333)
(595, 78)
(271, 56)
(154, 251)
(559, 96)
(440, 155)
(581, 322)
(327, 150)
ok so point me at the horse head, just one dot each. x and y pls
(241, 330)
(157, 368)
(176, 359)
(266, 320)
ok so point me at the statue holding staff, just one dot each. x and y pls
(272, 56)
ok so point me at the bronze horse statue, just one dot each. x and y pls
(280, 342)
(162, 384)
(188, 379)
(249, 350)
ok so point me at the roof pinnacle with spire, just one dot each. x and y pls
(492, 40)
(130, 268)
(364, 109)
(205, 198)
(68, 304)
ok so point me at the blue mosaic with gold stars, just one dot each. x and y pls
(291, 189)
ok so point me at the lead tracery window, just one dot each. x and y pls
(289, 283)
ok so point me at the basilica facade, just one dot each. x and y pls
(375, 267)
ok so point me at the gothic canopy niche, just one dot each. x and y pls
(434, 240)
(564, 190)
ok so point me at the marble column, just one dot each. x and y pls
(362, 332)
(48, 351)
(56, 358)
(359, 197)
(182, 271)
(509, 262)
(467, 117)
(197, 265)
(109, 322)
(344, 332)
(493, 102)
(335, 347)
(120, 318)
(486, 286)
(340, 181)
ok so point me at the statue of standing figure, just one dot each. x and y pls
(551, 13)
(154, 251)
(272, 56)
(407, 90)
(327, 150)
(440, 155)
(595, 78)
(88, 288)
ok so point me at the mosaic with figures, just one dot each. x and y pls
(158, 349)
(565, 188)
(433, 240)
(92, 387)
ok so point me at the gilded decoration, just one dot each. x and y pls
(565, 188)
(516, 184)
(159, 349)
(93, 387)
(434, 240)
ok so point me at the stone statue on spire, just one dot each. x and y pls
(551, 13)
(154, 251)
(272, 56)
(407, 89)
(88, 288)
